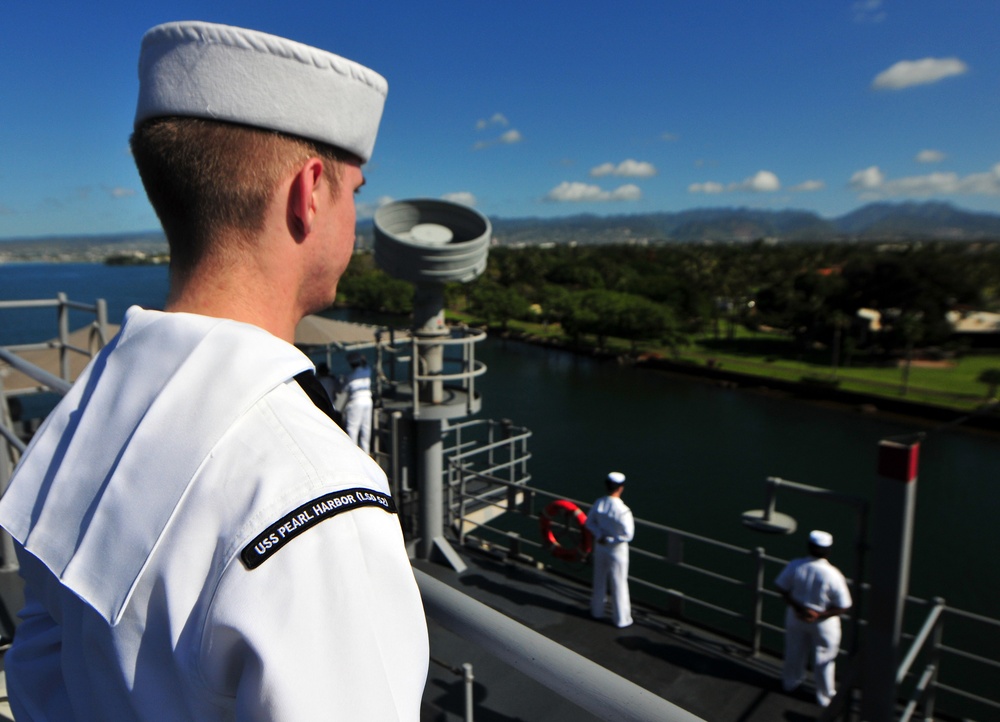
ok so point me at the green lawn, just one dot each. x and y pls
(774, 356)
(952, 384)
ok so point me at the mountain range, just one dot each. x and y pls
(883, 222)
(873, 222)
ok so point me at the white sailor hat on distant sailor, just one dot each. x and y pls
(616, 477)
(205, 70)
(821, 539)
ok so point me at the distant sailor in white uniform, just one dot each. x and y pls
(199, 540)
(816, 594)
(611, 524)
(358, 409)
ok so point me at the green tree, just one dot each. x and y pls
(496, 303)
(609, 313)
(366, 287)
(990, 377)
(909, 329)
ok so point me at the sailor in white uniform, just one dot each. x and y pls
(198, 539)
(816, 594)
(358, 409)
(611, 524)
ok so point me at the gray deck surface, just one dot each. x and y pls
(681, 663)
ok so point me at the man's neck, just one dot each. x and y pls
(239, 295)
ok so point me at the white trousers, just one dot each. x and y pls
(822, 642)
(611, 574)
(358, 418)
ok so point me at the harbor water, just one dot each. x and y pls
(696, 455)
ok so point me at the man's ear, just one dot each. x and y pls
(302, 197)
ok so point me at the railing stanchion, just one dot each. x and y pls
(758, 600)
(675, 555)
(935, 661)
(514, 551)
(470, 699)
(102, 320)
(462, 507)
(63, 320)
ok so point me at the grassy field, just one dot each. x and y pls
(951, 384)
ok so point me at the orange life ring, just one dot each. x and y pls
(563, 508)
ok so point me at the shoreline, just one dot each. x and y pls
(848, 401)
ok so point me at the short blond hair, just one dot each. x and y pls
(208, 180)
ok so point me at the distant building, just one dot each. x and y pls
(979, 328)
(974, 321)
(872, 318)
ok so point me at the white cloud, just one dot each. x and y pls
(907, 73)
(930, 156)
(868, 11)
(627, 168)
(495, 119)
(808, 186)
(463, 197)
(576, 192)
(669, 137)
(867, 179)
(871, 183)
(507, 138)
(120, 192)
(763, 181)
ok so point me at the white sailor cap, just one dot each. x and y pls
(243, 76)
(821, 539)
(616, 477)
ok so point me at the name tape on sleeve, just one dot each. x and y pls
(269, 541)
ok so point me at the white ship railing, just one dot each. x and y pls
(401, 369)
(571, 675)
(928, 646)
(731, 596)
(99, 329)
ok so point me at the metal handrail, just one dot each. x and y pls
(926, 681)
(61, 343)
(50, 381)
(569, 674)
(467, 341)
(927, 637)
(469, 368)
(930, 624)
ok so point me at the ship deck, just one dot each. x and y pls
(703, 673)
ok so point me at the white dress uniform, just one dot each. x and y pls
(200, 542)
(358, 409)
(817, 584)
(611, 523)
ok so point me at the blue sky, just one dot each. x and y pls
(545, 109)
